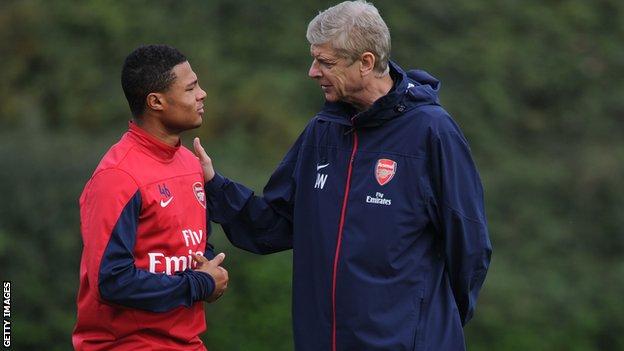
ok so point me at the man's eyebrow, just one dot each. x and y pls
(192, 83)
(323, 58)
(327, 59)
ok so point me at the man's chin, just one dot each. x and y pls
(195, 124)
(331, 98)
(198, 122)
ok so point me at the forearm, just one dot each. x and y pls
(249, 221)
(132, 287)
(468, 251)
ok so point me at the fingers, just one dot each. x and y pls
(221, 283)
(213, 268)
(226, 279)
(225, 274)
(218, 259)
(197, 146)
(199, 259)
(199, 151)
(204, 160)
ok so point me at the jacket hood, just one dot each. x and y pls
(411, 89)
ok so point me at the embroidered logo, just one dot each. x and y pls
(321, 166)
(385, 170)
(320, 177)
(164, 191)
(166, 194)
(200, 195)
(164, 203)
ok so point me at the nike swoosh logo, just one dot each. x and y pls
(321, 166)
(164, 203)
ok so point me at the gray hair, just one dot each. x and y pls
(353, 28)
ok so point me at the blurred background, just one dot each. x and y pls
(537, 87)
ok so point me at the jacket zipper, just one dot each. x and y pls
(339, 241)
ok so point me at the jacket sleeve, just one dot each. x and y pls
(460, 217)
(110, 214)
(259, 224)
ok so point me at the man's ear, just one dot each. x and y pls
(367, 63)
(155, 101)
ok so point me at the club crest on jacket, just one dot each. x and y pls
(200, 195)
(385, 170)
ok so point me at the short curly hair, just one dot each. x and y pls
(148, 69)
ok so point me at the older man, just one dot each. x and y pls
(379, 198)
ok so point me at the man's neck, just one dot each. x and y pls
(378, 87)
(155, 128)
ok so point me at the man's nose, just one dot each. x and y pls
(314, 71)
(202, 94)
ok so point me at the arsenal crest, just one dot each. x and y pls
(384, 170)
(200, 195)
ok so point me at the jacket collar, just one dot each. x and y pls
(410, 89)
(151, 144)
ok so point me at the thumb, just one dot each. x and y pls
(199, 151)
(218, 259)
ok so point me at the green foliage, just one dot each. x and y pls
(536, 87)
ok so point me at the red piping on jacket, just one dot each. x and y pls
(340, 228)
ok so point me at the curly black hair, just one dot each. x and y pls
(148, 69)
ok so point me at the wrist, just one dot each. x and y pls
(202, 284)
(215, 184)
(208, 176)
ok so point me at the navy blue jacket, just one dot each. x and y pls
(384, 210)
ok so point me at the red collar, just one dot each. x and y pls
(153, 145)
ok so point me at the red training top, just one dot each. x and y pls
(143, 212)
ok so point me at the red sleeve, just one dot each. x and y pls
(101, 203)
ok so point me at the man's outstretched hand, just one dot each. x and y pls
(218, 273)
(204, 160)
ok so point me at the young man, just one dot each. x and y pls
(379, 198)
(145, 271)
